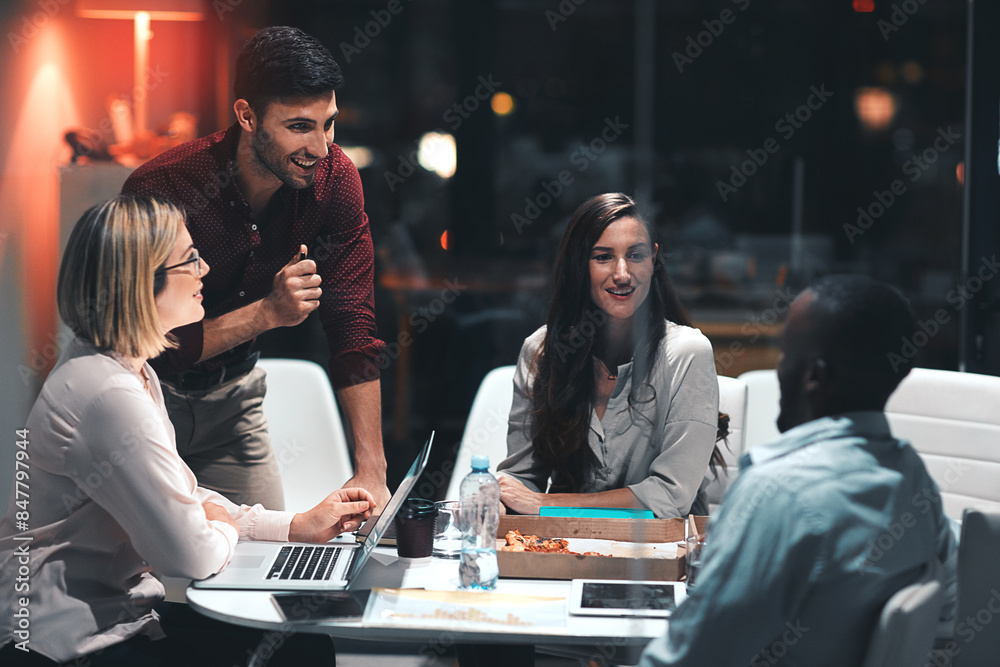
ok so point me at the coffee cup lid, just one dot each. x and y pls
(417, 508)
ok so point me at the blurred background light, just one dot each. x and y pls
(912, 72)
(502, 104)
(876, 107)
(437, 153)
(361, 156)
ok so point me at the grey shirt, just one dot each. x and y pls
(658, 449)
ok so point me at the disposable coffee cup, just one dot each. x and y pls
(415, 528)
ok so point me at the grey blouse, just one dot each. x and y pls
(658, 449)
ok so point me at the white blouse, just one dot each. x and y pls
(109, 500)
(658, 449)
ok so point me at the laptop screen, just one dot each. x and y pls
(392, 507)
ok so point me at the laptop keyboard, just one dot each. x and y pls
(305, 563)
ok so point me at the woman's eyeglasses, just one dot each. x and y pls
(195, 258)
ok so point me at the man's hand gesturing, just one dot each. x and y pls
(295, 292)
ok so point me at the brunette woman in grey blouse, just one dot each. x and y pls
(616, 399)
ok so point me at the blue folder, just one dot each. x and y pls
(596, 512)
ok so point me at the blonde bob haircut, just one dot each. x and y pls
(107, 287)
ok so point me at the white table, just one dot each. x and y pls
(616, 640)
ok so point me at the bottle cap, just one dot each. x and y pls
(480, 462)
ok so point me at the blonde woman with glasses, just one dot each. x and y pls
(110, 499)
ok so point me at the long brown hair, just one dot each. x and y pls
(563, 390)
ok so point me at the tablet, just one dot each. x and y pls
(321, 605)
(607, 597)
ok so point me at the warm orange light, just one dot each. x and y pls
(158, 10)
(141, 36)
(502, 103)
(156, 16)
(912, 72)
(444, 240)
(140, 12)
(29, 190)
(876, 107)
(960, 173)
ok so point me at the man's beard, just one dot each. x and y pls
(266, 154)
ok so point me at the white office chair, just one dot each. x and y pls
(953, 420)
(306, 435)
(905, 631)
(486, 428)
(306, 432)
(978, 583)
(732, 401)
(762, 408)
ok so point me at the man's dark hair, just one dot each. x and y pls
(281, 62)
(858, 326)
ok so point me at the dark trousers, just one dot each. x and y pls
(196, 641)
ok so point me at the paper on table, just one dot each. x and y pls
(624, 549)
(464, 610)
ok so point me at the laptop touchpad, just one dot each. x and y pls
(245, 560)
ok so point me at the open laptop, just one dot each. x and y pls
(291, 566)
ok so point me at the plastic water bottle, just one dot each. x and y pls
(479, 516)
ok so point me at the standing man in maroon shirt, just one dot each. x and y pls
(259, 195)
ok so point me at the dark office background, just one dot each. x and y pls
(750, 131)
(887, 92)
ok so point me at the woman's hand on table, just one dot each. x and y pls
(216, 512)
(341, 511)
(516, 496)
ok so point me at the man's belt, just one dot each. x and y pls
(199, 380)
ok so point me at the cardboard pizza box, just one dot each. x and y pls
(532, 565)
